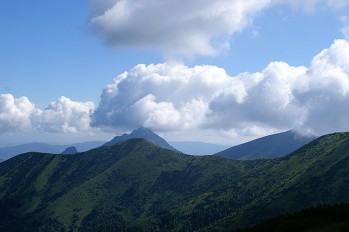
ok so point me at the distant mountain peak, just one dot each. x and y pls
(143, 133)
(70, 151)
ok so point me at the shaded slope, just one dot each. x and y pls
(141, 133)
(322, 218)
(272, 146)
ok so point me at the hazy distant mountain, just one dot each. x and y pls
(135, 185)
(8, 152)
(197, 148)
(272, 146)
(141, 133)
(1, 160)
(70, 151)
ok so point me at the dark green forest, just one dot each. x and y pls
(323, 218)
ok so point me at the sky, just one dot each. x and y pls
(223, 71)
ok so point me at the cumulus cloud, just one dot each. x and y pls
(324, 91)
(172, 96)
(164, 96)
(64, 115)
(174, 27)
(15, 113)
(61, 116)
(184, 27)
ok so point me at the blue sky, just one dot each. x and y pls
(48, 52)
(281, 34)
(50, 49)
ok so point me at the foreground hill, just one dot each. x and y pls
(131, 183)
(142, 133)
(272, 146)
(318, 173)
(137, 186)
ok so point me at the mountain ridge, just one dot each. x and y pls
(137, 185)
(271, 146)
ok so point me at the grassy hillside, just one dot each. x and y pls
(137, 186)
(318, 173)
(133, 181)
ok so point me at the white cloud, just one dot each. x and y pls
(269, 102)
(324, 91)
(61, 116)
(185, 28)
(175, 97)
(174, 27)
(164, 96)
(15, 113)
(64, 115)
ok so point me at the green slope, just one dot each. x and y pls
(318, 173)
(135, 181)
(137, 186)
